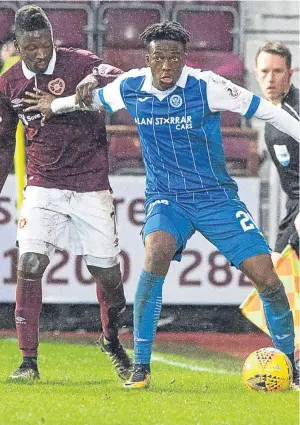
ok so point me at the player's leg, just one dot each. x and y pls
(247, 249)
(35, 251)
(259, 269)
(110, 294)
(165, 234)
(111, 298)
(160, 248)
(93, 234)
(31, 268)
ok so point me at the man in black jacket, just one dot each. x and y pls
(273, 73)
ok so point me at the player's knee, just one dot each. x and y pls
(266, 281)
(157, 254)
(33, 263)
(110, 276)
(160, 249)
(260, 271)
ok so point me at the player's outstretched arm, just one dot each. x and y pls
(89, 98)
(62, 105)
(86, 97)
(48, 104)
(101, 76)
(279, 118)
(224, 95)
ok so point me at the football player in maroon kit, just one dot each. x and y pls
(68, 191)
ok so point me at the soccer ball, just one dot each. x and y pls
(267, 369)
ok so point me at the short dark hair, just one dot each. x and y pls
(167, 30)
(31, 18)
(276, 48)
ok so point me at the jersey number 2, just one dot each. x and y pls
(245, 220)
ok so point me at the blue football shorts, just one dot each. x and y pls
(228, 225)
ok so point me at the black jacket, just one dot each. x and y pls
(283, 149)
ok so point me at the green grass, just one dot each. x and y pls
(79, 387)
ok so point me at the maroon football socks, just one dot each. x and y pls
(27, 312)
(112, 304)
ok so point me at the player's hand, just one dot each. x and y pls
(84, 90)
(39, 101)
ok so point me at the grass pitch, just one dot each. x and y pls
(79, 387)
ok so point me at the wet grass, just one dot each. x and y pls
(79, 387)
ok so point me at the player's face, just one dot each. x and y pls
(36, 49)
(166, 58)
(273, 76)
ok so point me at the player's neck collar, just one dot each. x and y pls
(49, 71)
(181, 82)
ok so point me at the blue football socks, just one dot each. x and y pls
(279, 319)
(147, 308)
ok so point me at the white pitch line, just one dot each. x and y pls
(162, 359)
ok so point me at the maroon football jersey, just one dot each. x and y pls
(70, 151)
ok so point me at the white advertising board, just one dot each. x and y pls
(202, 277)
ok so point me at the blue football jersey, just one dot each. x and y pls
(180, 131)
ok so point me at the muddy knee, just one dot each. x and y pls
(33, 263)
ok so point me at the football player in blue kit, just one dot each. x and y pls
(176, 109)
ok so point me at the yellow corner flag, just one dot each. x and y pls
(287, 269)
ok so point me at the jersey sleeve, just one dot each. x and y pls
(279, 118)
(106, 73)
(92, 64)
(224, 95)
(111, 97)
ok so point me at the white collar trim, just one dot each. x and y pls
(148, 87)
(49, 71)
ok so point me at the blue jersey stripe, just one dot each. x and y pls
(253, 107)
(102, 100)
(190, 145)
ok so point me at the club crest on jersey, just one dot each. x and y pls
(57, 86)
(175, 101)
